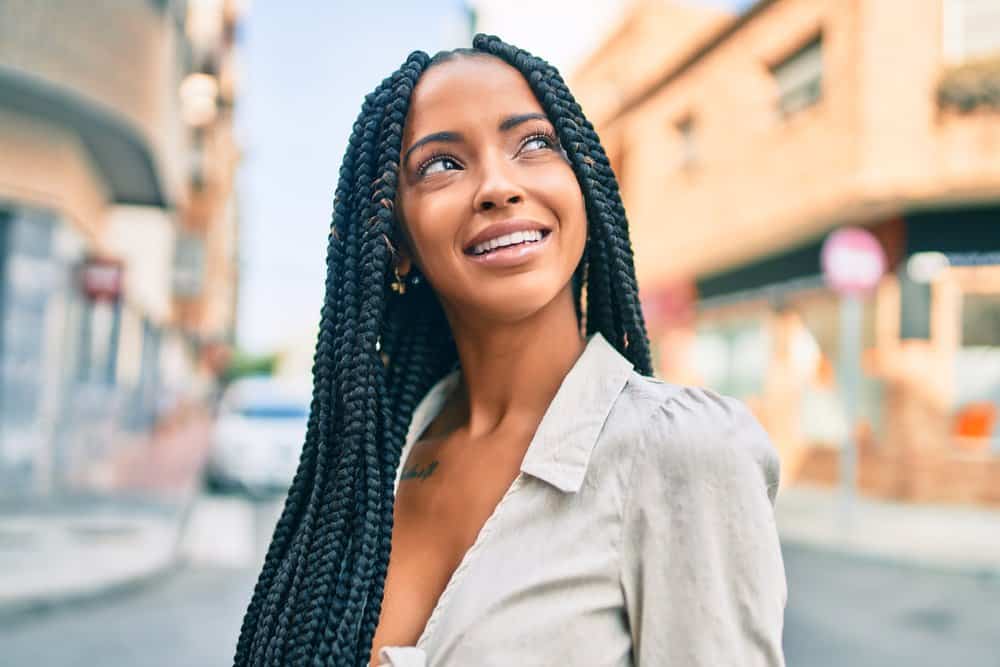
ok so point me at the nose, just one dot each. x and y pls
(498, 186)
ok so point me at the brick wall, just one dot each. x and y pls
(874, 143)
(934, 476)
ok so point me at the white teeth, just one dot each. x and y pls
(506, 240)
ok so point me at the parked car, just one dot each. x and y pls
(258, 436)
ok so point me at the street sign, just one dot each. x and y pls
(102, 278)
(853, 261)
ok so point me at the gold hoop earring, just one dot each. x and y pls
(399, 284)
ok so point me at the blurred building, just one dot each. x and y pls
(117, 224)
(741, 142)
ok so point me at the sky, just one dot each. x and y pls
(305, 68)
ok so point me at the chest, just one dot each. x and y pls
(540, 586)
(444, 499)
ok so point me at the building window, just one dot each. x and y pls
(800, 77)
(732, 355)
(981, 320)
(688, 141)
(189, 265)
(976, 418)
(971, 29)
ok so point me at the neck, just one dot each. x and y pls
(512, 371)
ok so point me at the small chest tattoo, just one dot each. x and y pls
(417, 472)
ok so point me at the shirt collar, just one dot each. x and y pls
(560, 450)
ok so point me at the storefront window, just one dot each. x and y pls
(977, 374)
(732, 355)
(823, 417)
(36, 325)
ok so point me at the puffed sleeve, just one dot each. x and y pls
(702, 571)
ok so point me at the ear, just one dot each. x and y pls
(402, 256)
(404, 262)
(401, 243)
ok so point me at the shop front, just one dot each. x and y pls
(40, 320)
(925, 424)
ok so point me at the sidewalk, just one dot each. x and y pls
(951, 538)
(64, 549)
(53, 557)
(90, 548)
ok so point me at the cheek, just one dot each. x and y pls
(431, 224)
(563, 195)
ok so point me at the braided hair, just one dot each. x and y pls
(319, 594)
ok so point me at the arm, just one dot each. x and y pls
(702, 571)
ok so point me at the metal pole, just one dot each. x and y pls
(111, 370)
(849, 381)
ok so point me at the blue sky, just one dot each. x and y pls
(306, 67)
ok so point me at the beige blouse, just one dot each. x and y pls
(640, 531)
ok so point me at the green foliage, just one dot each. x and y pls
(243, 365)
(974, 85)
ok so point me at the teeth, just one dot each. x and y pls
(506, 240)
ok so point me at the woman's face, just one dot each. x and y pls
(493, 214)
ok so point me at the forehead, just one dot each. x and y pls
(466, 89)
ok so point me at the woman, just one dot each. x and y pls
(546, 501)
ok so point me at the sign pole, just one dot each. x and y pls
(850, 382)
(853, 263)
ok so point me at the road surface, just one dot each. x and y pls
(841, 612)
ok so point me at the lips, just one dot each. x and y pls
(507, 241)
(506, 233)
(513, 256)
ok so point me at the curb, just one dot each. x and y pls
(28, 607)
(988, 572)
(938, 538)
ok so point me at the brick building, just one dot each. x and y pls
(117, 223)
(741, 142)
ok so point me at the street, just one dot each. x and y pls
(190, 617)
(841, 612)
(844, 612)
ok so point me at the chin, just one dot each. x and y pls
(517, 298)
(506, 312)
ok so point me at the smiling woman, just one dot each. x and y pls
(490, 208)
(490, 475)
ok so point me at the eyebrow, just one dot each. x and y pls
(508, 123)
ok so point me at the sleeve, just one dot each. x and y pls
(702, 570)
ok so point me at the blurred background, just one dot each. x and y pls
(813, 188)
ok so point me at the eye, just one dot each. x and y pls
(538, 141)
(436, 164)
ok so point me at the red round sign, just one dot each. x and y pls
(102, 279)
(852, 260)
